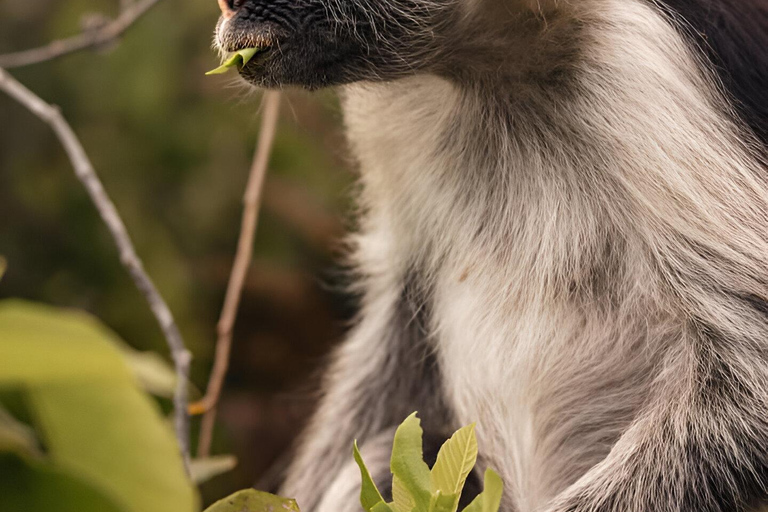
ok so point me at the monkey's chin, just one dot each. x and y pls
(262, 78)
(293, 60)
(266, 71)
(274, 73)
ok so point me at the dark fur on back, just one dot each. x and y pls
(734, 36)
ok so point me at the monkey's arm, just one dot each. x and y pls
(381, 374)
(701, 445)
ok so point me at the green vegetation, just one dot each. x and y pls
(415, 488)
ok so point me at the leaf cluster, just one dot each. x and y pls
(416, 488)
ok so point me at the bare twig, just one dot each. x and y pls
(84, 171)
(129, 14)
(251, 202)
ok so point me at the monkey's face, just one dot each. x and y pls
(318, 43)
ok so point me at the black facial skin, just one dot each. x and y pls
(320, 43)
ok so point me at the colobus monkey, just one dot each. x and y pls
(563, 237)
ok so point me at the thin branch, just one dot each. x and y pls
(129, 14)
(226, 323)
(84, 171)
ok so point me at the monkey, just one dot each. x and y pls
(563, 236)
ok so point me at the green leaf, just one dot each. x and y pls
(443, 502)
(455, 460)
(155, 374)
(402, 501)
(35, 486)
(476, 505)
(251, 500)
(43, 345)
(490, 499)
(369, 493)
(408, 464)
(382, 507)
(239, 59)
(71, 345)
(493, 487)
(205, 469)
(87, 408)
(114, 436)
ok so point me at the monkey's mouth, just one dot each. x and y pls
(230, 41)
(263, 48)
(262, 54)
(309, 58)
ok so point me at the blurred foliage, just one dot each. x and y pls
(202, 470)
(173, 148)
(94, 442)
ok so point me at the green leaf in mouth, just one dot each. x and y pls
(239, 59)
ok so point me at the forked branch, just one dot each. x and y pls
(85, 172)
(129, 14)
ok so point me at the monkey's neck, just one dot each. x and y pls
(632, 139)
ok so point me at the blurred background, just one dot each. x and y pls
(174, 148)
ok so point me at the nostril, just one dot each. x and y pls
(227, 7)
(230, 7)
